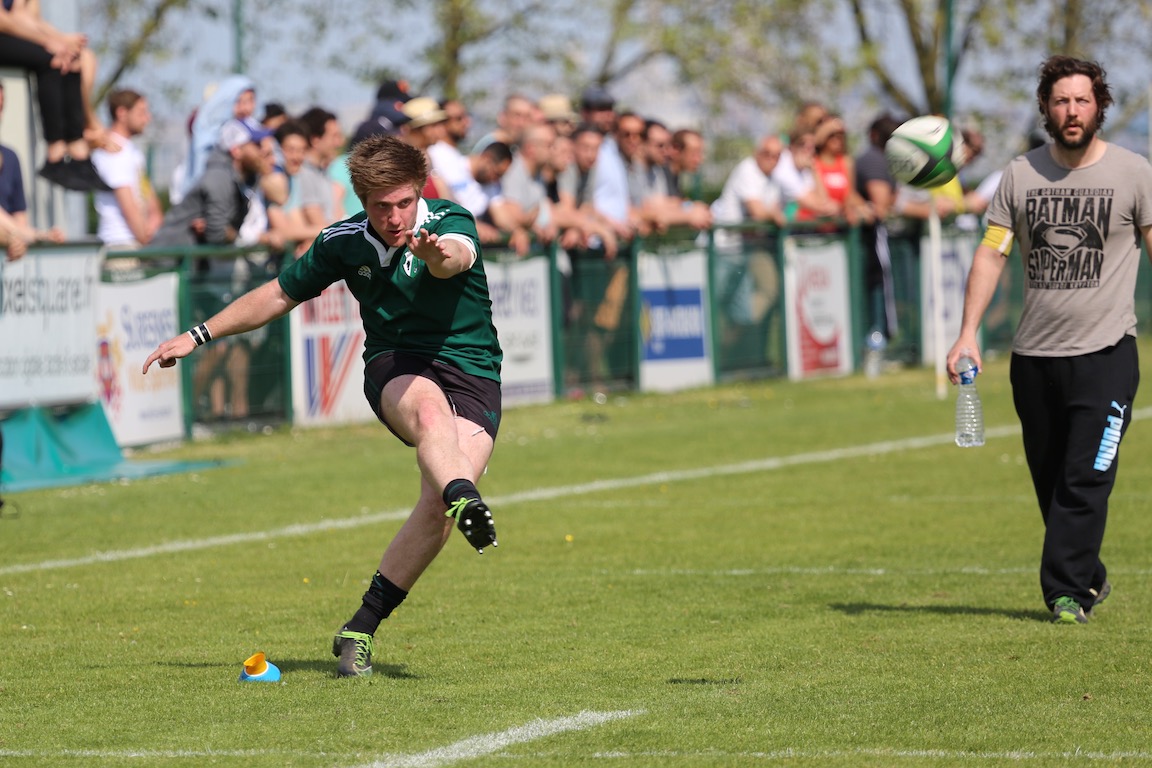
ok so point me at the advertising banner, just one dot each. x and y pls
(675, 347)
(132, 319)
(48, 327)
(816, 303)
(522, 313)
(327, 360)
(955, 263)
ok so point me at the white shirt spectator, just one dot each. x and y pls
(745, 182)
(792, 181)
(126, 168)
(455, 170)
(610, 196)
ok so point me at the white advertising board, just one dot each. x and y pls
(675, 346)
(955, 264)
(48, 328)
(132, 319)
(522, 313)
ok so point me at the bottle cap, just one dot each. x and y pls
(967, 370)
(257, 669)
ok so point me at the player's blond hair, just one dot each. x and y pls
(386, 162)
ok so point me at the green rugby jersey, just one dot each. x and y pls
(403, 306)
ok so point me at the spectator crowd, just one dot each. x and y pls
(588, 176)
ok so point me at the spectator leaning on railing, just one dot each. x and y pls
(214, 209)
(15, 232)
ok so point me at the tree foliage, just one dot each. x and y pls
(740, 60)
(997, 47)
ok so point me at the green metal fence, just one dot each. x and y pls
(238, 380)
(596, 323)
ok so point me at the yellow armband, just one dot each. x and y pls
(998, 238)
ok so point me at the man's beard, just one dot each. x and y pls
(1087, 133)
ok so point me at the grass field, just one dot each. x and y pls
(757, 574)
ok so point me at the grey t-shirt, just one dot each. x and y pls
(316, 189)
(522, 188)
(577, 184)
(1079, 233)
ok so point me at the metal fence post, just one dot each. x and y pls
(559, 320)
(857, 295)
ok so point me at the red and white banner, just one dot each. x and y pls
(818, 309)
(327, 360)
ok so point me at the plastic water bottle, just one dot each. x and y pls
(875, 345)
(969, 412)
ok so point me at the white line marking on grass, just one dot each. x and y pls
(538, 494)
(428, 758)
(189, 545)
(746, 467)
(913, 754)
(152, 754)
(467, 749)
(487, 744)
(830, 570)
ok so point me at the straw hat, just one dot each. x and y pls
(423, 111)
(557, 107)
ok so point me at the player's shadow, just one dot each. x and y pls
(857, 609)
(391, 671)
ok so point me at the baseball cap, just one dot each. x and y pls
(393, 90)
(557, 106)
(237, 133)
(374, 126)
(423, 111)
(390, 112)
(273, 109)
(596, 98)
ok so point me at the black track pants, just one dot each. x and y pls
(1073, 412)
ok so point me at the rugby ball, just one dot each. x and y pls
(925, 152)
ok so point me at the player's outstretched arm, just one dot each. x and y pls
(445, 256)
(254, 309)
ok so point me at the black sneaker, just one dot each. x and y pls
(56, 172)
(74, 175)
(474, 520)
(86, 177)
(354, 651)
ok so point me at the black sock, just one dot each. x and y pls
(377, 604)
(460, 489)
